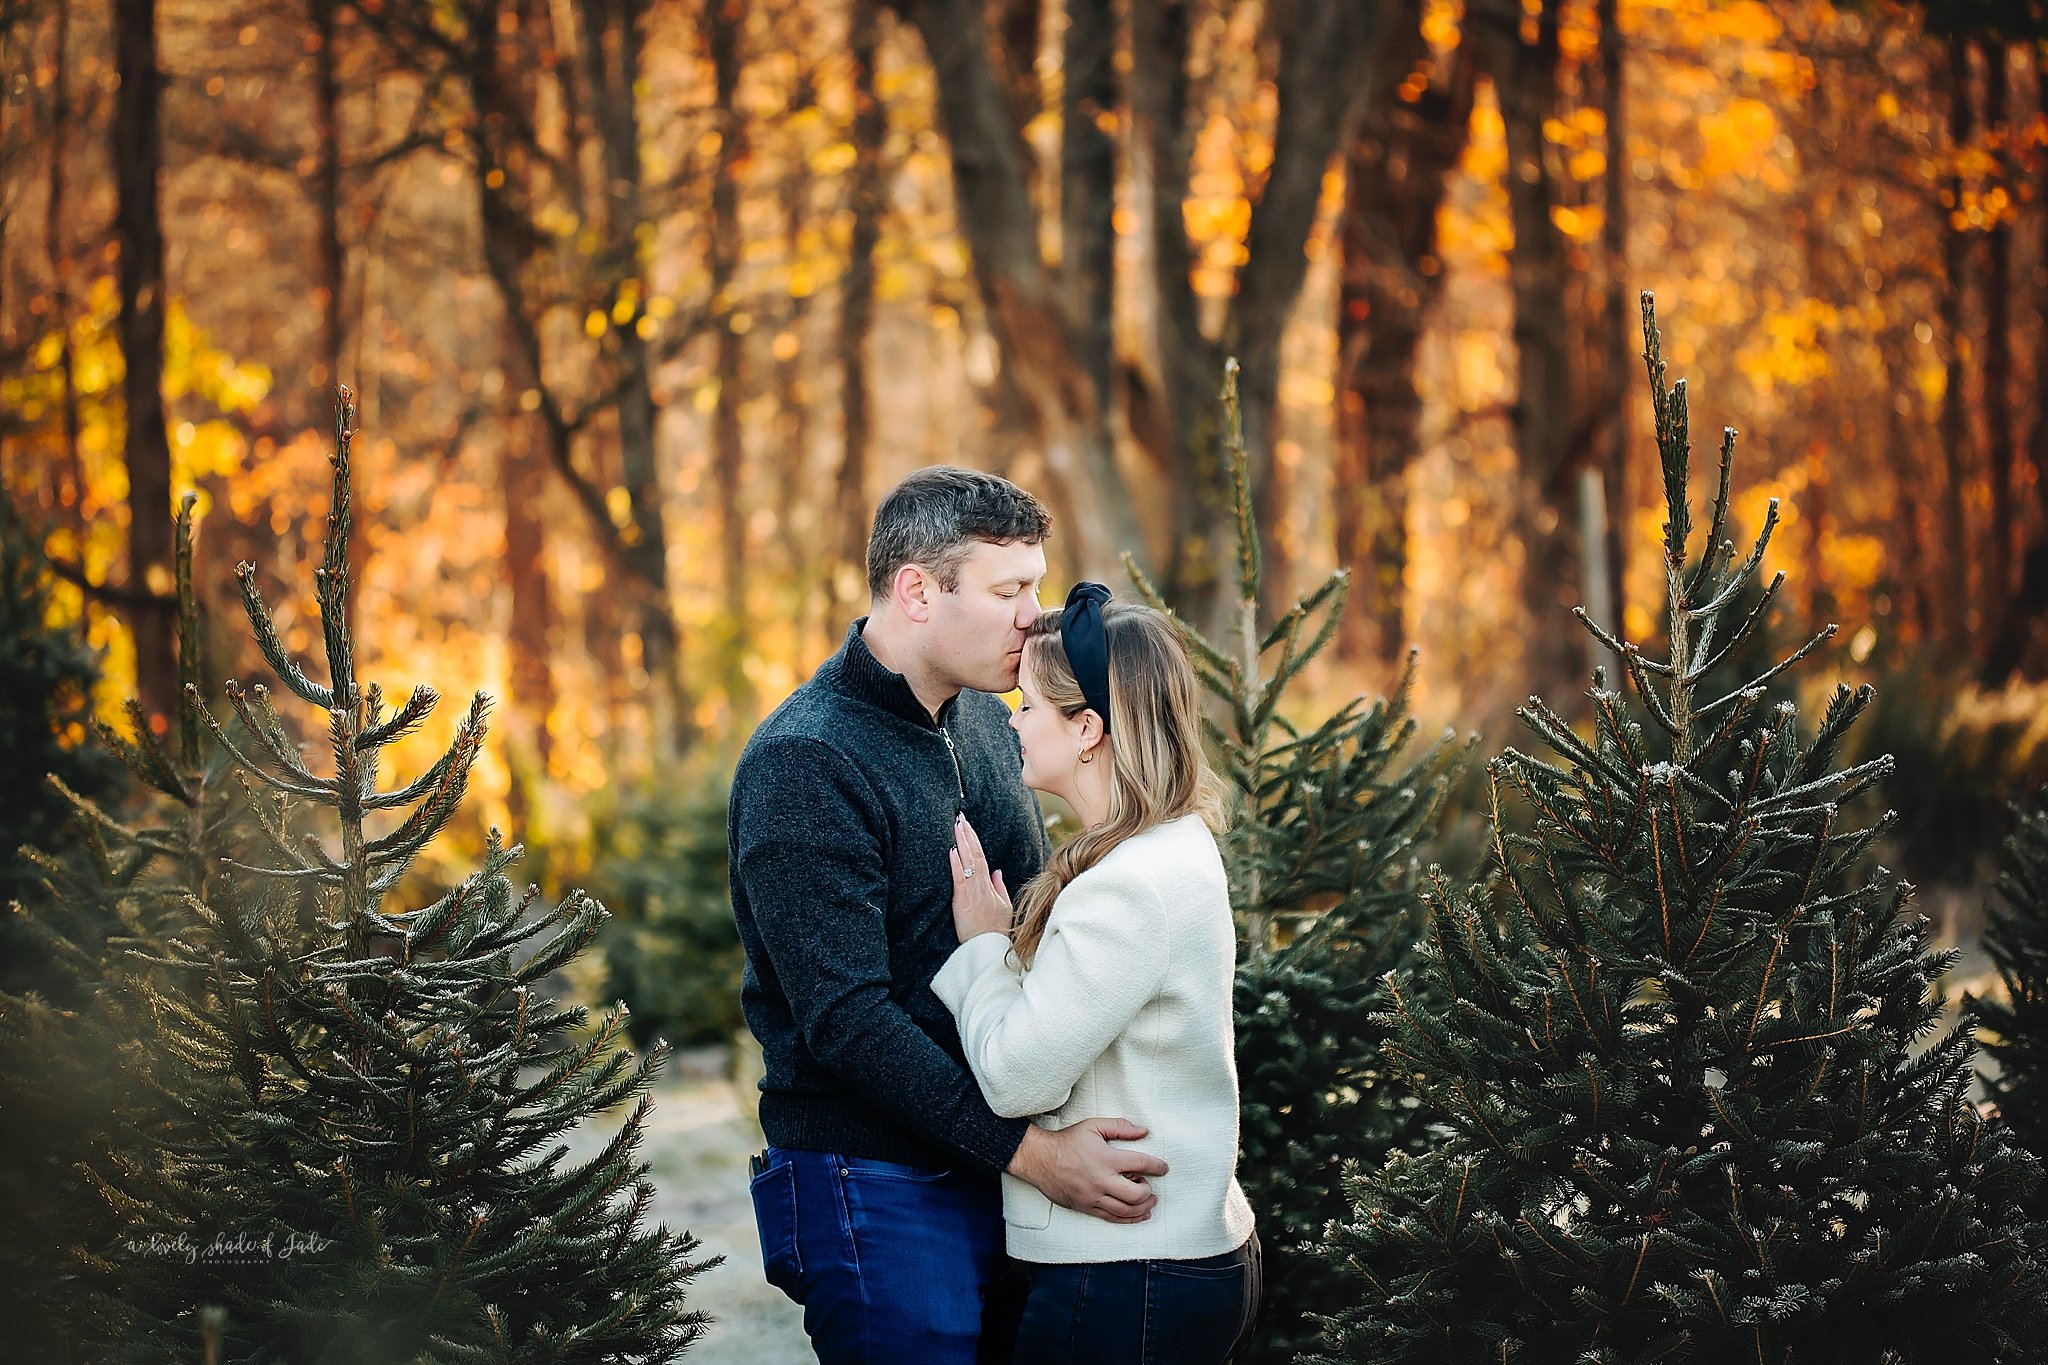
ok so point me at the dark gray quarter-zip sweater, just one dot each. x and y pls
(841, 817)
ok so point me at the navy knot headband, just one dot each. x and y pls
(1087, 648)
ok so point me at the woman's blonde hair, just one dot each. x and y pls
(1157, 770)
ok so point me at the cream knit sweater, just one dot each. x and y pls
(1125, 1013)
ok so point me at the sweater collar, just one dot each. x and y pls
(864, 676)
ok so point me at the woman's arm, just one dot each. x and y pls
(1030, 1036)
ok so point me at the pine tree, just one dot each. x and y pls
(47, 673)
(99, 900)
(375, 1173)
(1321, 858)
(2017, 940)
(659, 865)
(1690, 1114)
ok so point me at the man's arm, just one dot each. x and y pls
(1077, 1169)
(814, 878)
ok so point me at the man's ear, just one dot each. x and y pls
(912, 589)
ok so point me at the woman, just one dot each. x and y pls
(1112, 995)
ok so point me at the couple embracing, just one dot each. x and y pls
(1000, 1094)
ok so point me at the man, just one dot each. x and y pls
(878, 1199)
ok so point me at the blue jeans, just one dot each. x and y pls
(1197, 1312)
(892, 1263)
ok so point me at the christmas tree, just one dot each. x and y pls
(47, 673)
(1321, 856)
(98, 901)
(1694, 1109)
(374, 1172)
(2017, 940)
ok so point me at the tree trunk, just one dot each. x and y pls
(1395, 180)
(2002, 433)
(857, 308)
(635, 545)
(1190, 369)
(1325, 76)
(1621, 328)
(327, 252)
(1524, 79)
(327, 249)
(1014, 56)
(530, 637)
(723, 20)
(991, 184)
(71, 493)
(1907, 540)
(138, 227)
(1957, 458)
(2022, 641)
(1087, 272)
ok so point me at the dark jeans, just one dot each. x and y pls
(892, 1263)
(1143, 1312)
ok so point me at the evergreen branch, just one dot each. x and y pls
(433, 814)
(1742, 631)
(191, 674)
(286, 873)
(589, 917)
(1717, 551)
(1616, 646)
(1668, 406)
(461, 752)
(1843, 709)
(402, 722)
(1826, 634)
(272, 647)
(1338, 583)
(143, 756)
(1554, 731)
(1730, 728)
(331, 578)
(1733, 583)
(1240, 486)
(255, 769)
(271, 734)
(1214, 661)
(1646, 691)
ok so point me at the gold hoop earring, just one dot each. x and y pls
(1087, 757)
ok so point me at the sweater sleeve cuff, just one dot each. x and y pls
(969, 961)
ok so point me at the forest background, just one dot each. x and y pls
(646, 301)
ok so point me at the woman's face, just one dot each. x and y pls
(1051, 741)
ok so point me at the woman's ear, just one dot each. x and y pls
(1090, 735)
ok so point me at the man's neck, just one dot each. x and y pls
(893, 652)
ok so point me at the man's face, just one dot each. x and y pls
(975, 634)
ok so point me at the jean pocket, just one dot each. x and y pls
(1195, 1313)
(865, 1166)
(774, 1192)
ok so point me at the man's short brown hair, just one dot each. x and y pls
(936, 515)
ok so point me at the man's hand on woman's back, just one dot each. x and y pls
(1077, 1169)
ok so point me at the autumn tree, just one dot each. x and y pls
(1395, 177)
(543, 94)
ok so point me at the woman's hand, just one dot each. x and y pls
(981, 904)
